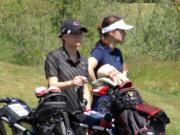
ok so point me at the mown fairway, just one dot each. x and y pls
(158, 82)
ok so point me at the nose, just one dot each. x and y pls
(78, 36)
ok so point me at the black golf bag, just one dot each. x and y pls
(51, 117)
(13, 112)
(48, 118)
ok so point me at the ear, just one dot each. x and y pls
(64, 36)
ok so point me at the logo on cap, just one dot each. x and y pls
(76, 23)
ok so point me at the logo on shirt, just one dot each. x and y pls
(118, 58)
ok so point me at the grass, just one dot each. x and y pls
(157, 81)
(19, 81)
(157, 75)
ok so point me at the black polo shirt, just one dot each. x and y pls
(59, 64)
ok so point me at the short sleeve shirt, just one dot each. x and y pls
(59, 64)
(105, 55)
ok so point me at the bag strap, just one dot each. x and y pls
(51, 95)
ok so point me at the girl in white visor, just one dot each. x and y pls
(112, 31)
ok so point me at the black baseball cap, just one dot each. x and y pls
(71, 27)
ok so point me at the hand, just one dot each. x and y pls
(79, 80)
(113, 73)
(114, 76)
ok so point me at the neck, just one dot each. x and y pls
(110, 43)
(71, 51)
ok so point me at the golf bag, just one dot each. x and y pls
(48, 118)
(13, 112)
(2, 129)
(135, 117)
(51, 117)
(132, 116)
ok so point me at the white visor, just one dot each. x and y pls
(117, 25)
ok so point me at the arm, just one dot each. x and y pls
(92, 63)
(87, 96)
(53, 81)
(125, 69)
(77, 81)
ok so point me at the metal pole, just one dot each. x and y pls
(16, 125)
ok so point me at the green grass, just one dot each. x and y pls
(19, 81)
(157, 81)
(157, 75)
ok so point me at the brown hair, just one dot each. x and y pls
(105, 23)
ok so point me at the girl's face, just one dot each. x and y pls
(73, 40)
(118, 35)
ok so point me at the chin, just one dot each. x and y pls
(122, 40)
(78, 44)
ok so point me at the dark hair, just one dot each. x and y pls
(105, 23)
(63, 42)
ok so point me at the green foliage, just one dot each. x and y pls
(135, 1)
(26, 27)
(161, 36)
(157, 31)
(29, 29)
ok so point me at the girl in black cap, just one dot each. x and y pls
(66, 68)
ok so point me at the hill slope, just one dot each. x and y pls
(158, 85)
(18, 81)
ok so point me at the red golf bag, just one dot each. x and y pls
(132, 116)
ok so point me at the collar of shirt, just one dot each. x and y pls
(69, 60)
(109, 50)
